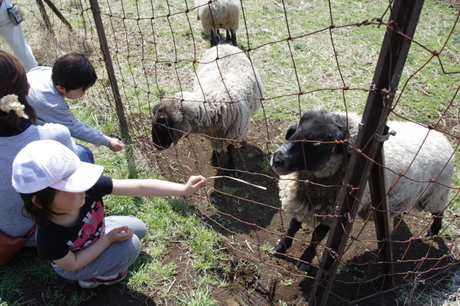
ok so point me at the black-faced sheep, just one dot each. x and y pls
(227, 92)
(313, 155)
(219, 14)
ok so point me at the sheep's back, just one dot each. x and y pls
(419, 167)
(232, 90)
(225, 73)
(220, 14)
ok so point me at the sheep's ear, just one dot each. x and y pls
(349, 151)
(290, 131)
(348, 148)
(155, 108)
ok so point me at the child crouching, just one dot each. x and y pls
(63, 196)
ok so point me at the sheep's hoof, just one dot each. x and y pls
(428, 237)
(233, 173)
(429, 233)
(302, 266)
(228, 172)
(279, 250)
(214, 161)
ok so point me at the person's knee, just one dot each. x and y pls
(132, 250)
(139, 227)
(85, 154)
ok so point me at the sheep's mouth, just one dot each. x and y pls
(161, 135)
(280, 165)
(283, 172)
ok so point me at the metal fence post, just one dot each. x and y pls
(395, 47)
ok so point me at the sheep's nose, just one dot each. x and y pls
(277, 159)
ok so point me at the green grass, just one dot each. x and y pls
(198, 297)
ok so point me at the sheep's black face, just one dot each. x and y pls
(311, 143)
(161, 133)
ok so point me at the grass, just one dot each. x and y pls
(155, 50)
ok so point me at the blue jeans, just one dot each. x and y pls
(85, 154)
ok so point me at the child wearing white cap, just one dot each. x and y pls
(63, 196)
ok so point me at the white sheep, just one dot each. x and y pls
(227, 92)
(312, 154)
(219, 14)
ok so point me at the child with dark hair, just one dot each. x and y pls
(64, 197)
(17, 129)
(71, 76)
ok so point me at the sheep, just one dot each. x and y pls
(314, 153)
(219, 14)
(227, 92)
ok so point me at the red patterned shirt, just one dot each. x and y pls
(54, 241)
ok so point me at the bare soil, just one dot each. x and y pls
(250, 217)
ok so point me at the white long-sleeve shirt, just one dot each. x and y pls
(51, 107)
(14, 37)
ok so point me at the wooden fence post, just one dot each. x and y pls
(129, 151)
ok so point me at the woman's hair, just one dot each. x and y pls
(13, 80)
(73, 71)
(41, 211)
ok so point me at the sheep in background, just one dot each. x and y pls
(311, 154)
(219, 14)
(227, 92)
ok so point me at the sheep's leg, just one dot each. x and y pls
(231, 161)
(286, 241)
(215, 37)
(214, 159)
(233, 36)
(436, 225)
(318, 235)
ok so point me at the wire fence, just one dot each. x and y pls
(310, 55)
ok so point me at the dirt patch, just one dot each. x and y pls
(251, 218)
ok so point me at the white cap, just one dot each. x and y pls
(48, 163)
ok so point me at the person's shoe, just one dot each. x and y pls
(96, 281)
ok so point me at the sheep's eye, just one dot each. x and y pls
(316, 144)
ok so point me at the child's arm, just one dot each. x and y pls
(115, 145)
(77, 260)
(53, 108)
(157, 188)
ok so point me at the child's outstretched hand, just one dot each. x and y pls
(194, 183)
(115, 145)
(120, 234)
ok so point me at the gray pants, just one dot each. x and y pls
(117, 257)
